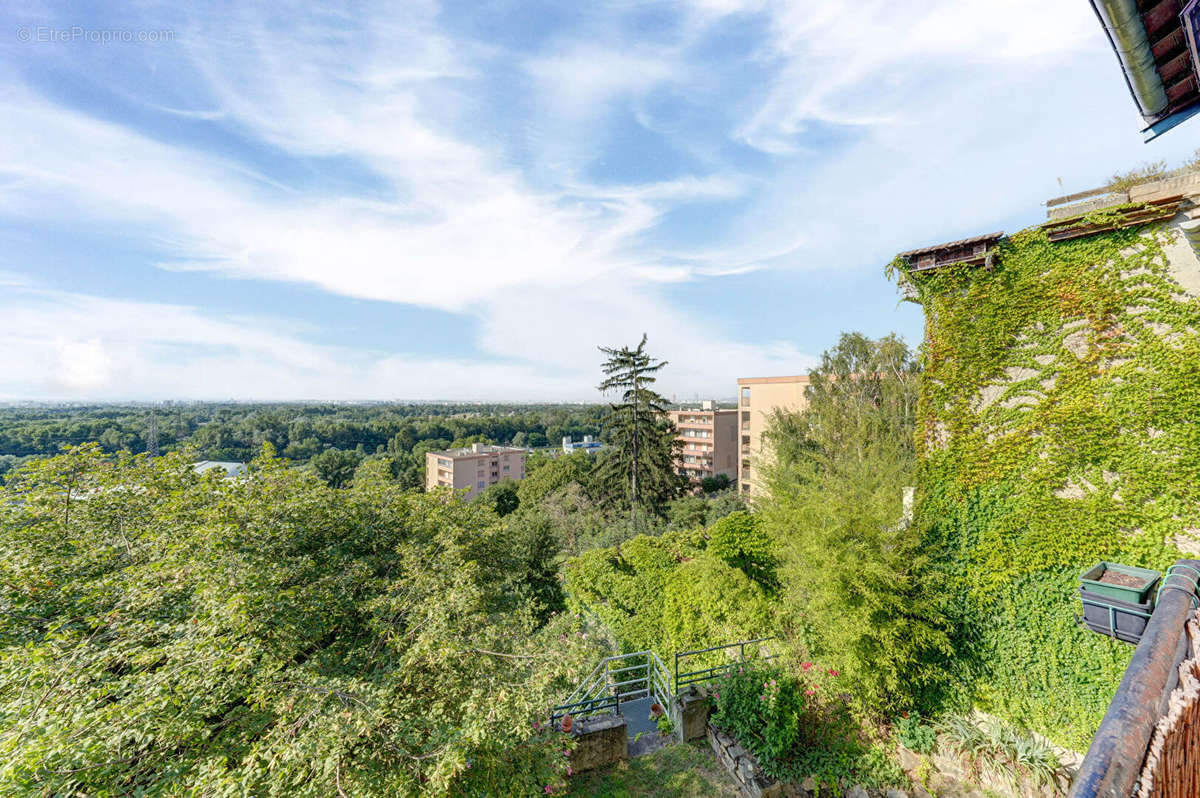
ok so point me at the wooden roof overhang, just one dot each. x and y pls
(975, 251)
(1116, 219)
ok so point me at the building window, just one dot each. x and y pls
(444, 463)
(745, 440)
(745, 416)
(745, 488)
(505, 468)
(746, 397)
(481, 483)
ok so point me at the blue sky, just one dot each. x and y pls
(427, 200)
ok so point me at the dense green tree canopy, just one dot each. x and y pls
(164, 633)
(857, 584)
(401, 433)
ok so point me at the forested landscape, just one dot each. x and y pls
(301, 631)
(333, 438)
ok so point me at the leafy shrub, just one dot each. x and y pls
(540, 766)
(797, 727)
(740, 540)
(706, 602)
(1003, 751)
(915, 735)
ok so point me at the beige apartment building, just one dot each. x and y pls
(473, 468)
(708, 437)
(758, 399)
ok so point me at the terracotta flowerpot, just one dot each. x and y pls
(567, 722)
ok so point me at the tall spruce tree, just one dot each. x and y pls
(639, 465)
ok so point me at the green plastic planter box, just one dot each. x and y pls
(1147, 579)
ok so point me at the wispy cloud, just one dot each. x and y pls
(554, 184)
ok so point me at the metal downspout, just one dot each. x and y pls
(1127, 35)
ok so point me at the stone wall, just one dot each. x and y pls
(742, 765)
(600, 741)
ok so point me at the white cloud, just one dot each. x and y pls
(944, 115)
(878, 62)
(61, 345)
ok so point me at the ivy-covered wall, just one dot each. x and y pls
(1059, 425)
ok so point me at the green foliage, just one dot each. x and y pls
(164, 633)
(1055, 428)
(502, 498)
(335, 466)
(740, 540)
(544, 476)
(715, 484)
(668, 594)
(397, 433)
(1002, 751)
(529, 553)
(692, 511)
(859, 590)
(637, 466)
(1123, 181)
(623, 586)
(540, 766)
(706, 602)
(797, 725)
(665, 724)
(916, 735)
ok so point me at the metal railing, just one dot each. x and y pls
(631, 677)
(708, 674)
(625, 677)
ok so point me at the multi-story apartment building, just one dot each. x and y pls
(709, 442)
(758, 399)
(473, 468)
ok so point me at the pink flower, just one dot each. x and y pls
(549, 789)
(740, 670)
(569, 771)
(809, 692)
(806, 665)
(832, 672)
(716, 695)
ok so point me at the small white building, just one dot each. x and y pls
(588, 444)
(230, 468)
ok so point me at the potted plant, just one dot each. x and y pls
(1118, 599)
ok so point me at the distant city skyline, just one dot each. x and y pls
(461, 201)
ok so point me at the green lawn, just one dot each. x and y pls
(676, 771)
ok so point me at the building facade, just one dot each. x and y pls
(708, 438)
(589, 444)
(758, 399)
(473, 468)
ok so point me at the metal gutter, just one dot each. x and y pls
(1114, 760)
(1163, 125)
(1127, 34)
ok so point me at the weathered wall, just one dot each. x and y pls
(600, 741)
